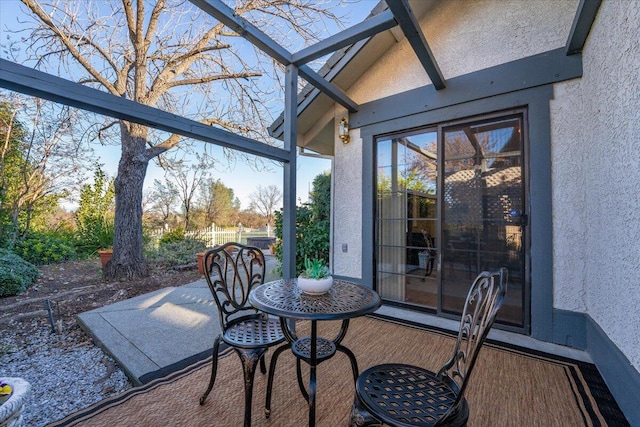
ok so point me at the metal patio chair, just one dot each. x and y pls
(405, 395)
(231, 271)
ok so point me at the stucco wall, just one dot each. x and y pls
(347, 205)
(469, 35)
(596, 180)
(465, 36)
(595, 143)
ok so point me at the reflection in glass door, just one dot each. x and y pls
(483, 210)
(451, 203)
(406, 223)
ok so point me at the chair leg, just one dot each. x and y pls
(272, 369)
(360, 417)
(250, 359)
(214, 369)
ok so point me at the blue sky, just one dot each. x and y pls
(239, 176)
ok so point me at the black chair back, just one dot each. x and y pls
(481, 306)
(232, 270)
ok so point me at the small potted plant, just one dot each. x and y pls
(315, 278)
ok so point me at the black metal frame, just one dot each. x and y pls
(404, 395)
(231, 271)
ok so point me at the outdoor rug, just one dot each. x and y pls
(510, 386)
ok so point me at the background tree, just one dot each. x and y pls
(188, 179)
(164, 196)
(251, 219)
(218, 202)
(161, 57)
(95, 215)
(11, 132)
(265, 200)
(39, 161)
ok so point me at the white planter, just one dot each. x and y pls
(315, 286)
(11, 410)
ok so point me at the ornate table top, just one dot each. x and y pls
(344, 300)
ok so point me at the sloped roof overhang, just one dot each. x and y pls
(346, 66)
(341, 70)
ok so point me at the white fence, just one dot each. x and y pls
(214, 235)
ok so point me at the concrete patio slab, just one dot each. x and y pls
(153, 331)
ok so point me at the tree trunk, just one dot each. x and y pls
(128, 260)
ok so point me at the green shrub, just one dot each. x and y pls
(16, 274)
(41, 248)
(180, 252)
(101, 237)
(94, 217)
(173, 236)
(312, 226)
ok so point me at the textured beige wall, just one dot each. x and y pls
(596, 180)
(465, 36)
(470, 35)
(595, 144)
(347, 204)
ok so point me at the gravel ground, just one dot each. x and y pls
(67, 372)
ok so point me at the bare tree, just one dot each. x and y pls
(43, 163)
(164, 195)
(161, 58)
(265, 200)
(187, 180)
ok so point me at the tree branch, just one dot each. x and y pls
(163, 147)
(35, 8)
(186, 82)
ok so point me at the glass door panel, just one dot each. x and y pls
(482, 210)
(406, 219)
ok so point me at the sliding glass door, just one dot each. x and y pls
(407, 218)
(451, 203)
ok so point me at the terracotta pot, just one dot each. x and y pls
(200, 256)
(105, 256)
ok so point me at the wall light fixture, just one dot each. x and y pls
(343, 131)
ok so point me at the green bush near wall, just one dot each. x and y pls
(312, 225)
(175, 253)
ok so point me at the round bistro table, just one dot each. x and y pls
(345, 300)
